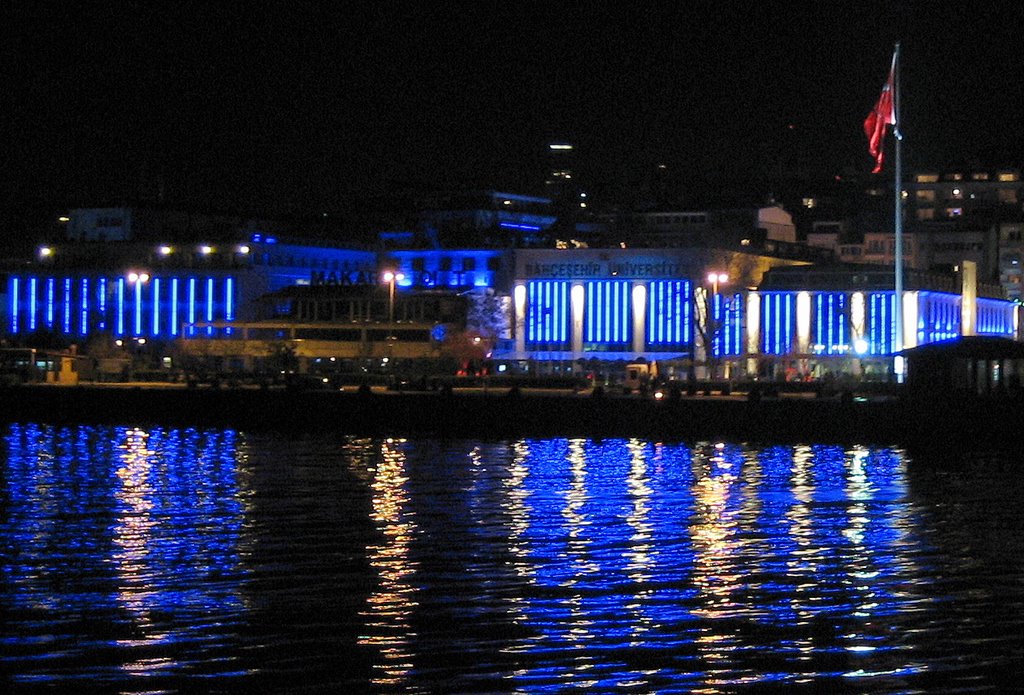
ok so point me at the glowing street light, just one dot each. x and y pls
(715, 279)
(391, 277)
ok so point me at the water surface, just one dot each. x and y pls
(177, 560)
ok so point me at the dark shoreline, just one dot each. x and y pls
(994, 424)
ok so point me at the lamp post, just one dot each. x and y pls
(714, 279)
(391, 277)
(711, 322)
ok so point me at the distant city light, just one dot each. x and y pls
(166, 250)
(243, 249)
(45, 251)
(560, 146)
(63, 218)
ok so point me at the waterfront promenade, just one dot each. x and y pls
(508, 413)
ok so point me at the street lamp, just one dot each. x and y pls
(711, 319)
(715, 279)
(391, 278)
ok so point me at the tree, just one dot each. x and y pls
(489, 315)
(708, 328)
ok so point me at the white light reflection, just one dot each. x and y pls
(580, 629)
(639, 567)
(716, 574)
(390, 605)
(132, 536)
(517, 510)
(802, 567)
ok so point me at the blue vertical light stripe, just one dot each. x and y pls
(531, 315)
(15, 283)
(667, 319)
(626, 302)
(191, 305)
(66, 317)
(544, 304)
(657, 313)
(209, 304)
(33, 308)
(549, 313)
(603, 322)
(778, 324)
(830, 323)
(85, 306)
(120, 306)
(137, 299)
(548, 309)
(565, 313)
(174, 306)
(687, 321)
(156, 306)
(593, 318)
(51, 292)
(101, 300)
(608, 315)
(530, 308)
(229, 301)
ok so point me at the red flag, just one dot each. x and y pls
(882, 115)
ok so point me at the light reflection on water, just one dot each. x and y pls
(178, 560)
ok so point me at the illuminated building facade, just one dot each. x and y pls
(618, 304)
(142, 290)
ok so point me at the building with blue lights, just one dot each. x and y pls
(751, 314)
(146, 290)
(744, 305)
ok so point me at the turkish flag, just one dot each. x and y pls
(882, 115)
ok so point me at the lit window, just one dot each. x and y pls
(927, 196)
(954, 212)
(927, 178)
(1009, 176)
(809, 202)
(979, 176)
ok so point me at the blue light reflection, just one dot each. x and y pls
(137, 532)
(730, 554)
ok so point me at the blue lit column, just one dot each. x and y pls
(753, 331)
(803, 323)
(576, 301)
(519, 298)
(639, 316)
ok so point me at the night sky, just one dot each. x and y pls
(300, 107)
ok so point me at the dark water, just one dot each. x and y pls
(210, 561)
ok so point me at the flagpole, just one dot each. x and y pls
(898, 214)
